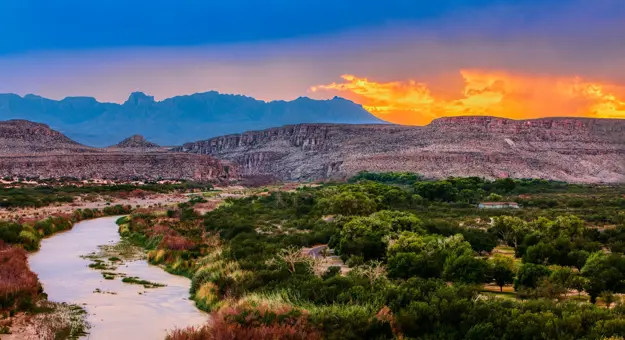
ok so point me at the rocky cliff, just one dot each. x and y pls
(568, 149)
(23, 137)
(34, 150)
(119, 166)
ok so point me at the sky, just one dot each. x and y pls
(407, 62)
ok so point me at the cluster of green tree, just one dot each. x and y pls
(29, 235)
(40, 196)
(403, 251)
(387, 177)
(474, 189)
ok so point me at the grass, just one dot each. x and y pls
(112, 275)
(101, 265)
(502, 295)
(146, 284)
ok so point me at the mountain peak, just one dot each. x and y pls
(136, 141)
(139, 98)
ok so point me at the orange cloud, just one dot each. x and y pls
(492, 93)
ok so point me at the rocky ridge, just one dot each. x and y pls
(23, 137)
(30, 149)
(567, 149)
(136, 142)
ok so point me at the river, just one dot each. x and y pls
(132, 311)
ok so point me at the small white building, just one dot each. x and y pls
(498, 205)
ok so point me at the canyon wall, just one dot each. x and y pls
(568, 149)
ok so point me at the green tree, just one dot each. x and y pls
(578, 258)
(604, 272)
(369, 236)
(541, 253)
(510, 229)
(413, 254)
(608, 298)
(443, 191)
(530, 275)
(466, 269)
(563, 276)
(348, 203)
(494, 198)
(502, 270)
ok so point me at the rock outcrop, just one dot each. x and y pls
(25, 137)
(568, 149)
(34, 150)
(136, 142)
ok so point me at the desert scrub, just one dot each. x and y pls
(252, 322)
(146, 284)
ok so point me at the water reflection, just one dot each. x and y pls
(131, 311)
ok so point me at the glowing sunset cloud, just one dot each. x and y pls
(490, 93)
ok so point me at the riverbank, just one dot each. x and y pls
(117, 307)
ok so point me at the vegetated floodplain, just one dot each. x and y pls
(40, 193)
(395, 256)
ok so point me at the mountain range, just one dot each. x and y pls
(176, 120)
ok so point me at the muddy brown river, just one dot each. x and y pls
(116, 310)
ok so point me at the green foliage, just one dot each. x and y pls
(348, 203)
(413, 254)
(465, 269)
(368, 236)
(604, 272)
(530, 275)
(502, 270)
(387, 177)
(430, 246)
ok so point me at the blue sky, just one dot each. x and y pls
(279, 49)
(39, 25)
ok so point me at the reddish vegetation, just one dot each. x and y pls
(18, 284)
(251, 323)
(172, 240)
(176, 242)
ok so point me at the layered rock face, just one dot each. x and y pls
(34, 150)
(119, 166)
(568, 149)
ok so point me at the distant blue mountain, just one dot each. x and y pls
(176, 120)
